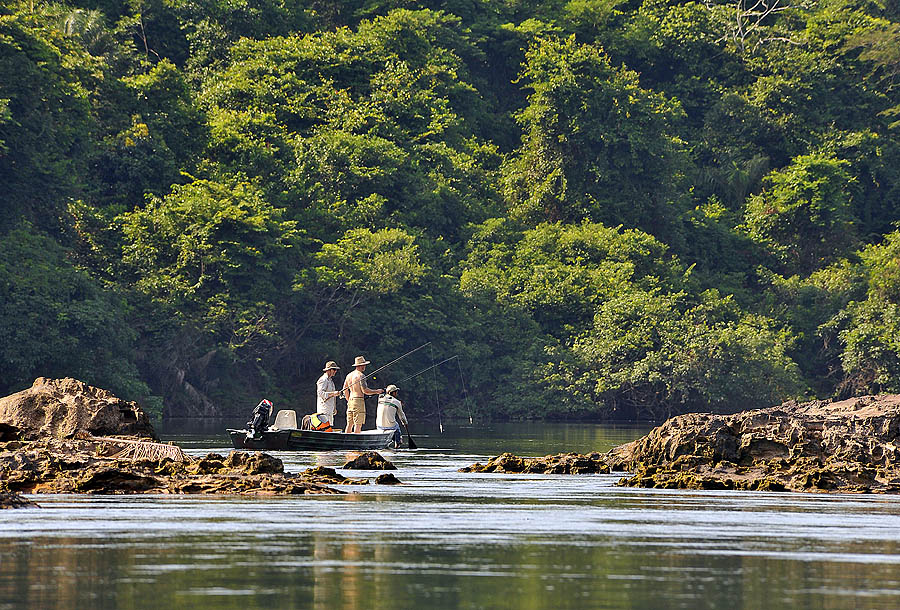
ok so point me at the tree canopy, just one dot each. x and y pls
(619, 208)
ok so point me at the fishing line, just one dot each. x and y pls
(465, 391)
(437, 399)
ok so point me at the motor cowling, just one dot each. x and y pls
(260, 417)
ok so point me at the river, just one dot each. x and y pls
(447, 539)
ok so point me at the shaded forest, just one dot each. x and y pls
(605, 208)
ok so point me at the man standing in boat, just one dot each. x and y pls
(389, 410)
(355, 392)
(326, 393)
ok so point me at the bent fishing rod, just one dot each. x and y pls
(426, 370)
(394, 361)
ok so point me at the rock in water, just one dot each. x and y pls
(369, 460)
(8, 500)
(68, 408)
(561, 463)
(75, 466)
(53, 439)
(387, 479)
(327, 476)
(847, 446)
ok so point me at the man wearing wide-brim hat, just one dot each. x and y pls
(355, 391)
(326, 393)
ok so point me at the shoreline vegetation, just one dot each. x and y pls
(619, 209)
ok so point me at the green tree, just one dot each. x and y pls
(361, 265)
(57, 322)
(218, 255)
(46, 126)
(871, 333)
(597, 146)
(558, 273)
(655, 354)
(628, 333)
(805, 213)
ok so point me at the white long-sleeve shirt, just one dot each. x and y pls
(389, 408)
(325, 406)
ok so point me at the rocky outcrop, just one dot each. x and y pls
(848, 446)
(8, 500)
(329, 476)
(368, 460)
(80, 466)
(561, 463)
(63, 436)
(68, 408)
(387, 478)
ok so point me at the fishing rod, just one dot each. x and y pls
(426, 370)
(394, 361)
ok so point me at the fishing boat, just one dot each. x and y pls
(310, 440)
(284, 435)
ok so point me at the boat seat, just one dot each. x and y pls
(285, 419)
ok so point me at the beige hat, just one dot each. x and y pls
(331, 364)
(391, 388)
(361, 360)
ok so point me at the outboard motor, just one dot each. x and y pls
(260, 421)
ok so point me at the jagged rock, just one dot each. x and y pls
(561, 463)
(324, 474)
(50, 443)
(368, 460)
(387, 478)
(8, 500)
(254, 463)
(848, 446)
(68, 408)
(80, 466)
(115, 480)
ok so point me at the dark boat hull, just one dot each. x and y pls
(311, 440)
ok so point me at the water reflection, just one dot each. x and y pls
(454, 540)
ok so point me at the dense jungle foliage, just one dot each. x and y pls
(604, 208)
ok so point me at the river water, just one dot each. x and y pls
(447, 539)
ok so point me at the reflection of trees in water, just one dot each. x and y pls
(357, 573)
(63, 573)
(325, 581)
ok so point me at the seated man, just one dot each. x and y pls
(389, 409)
(316, 421)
